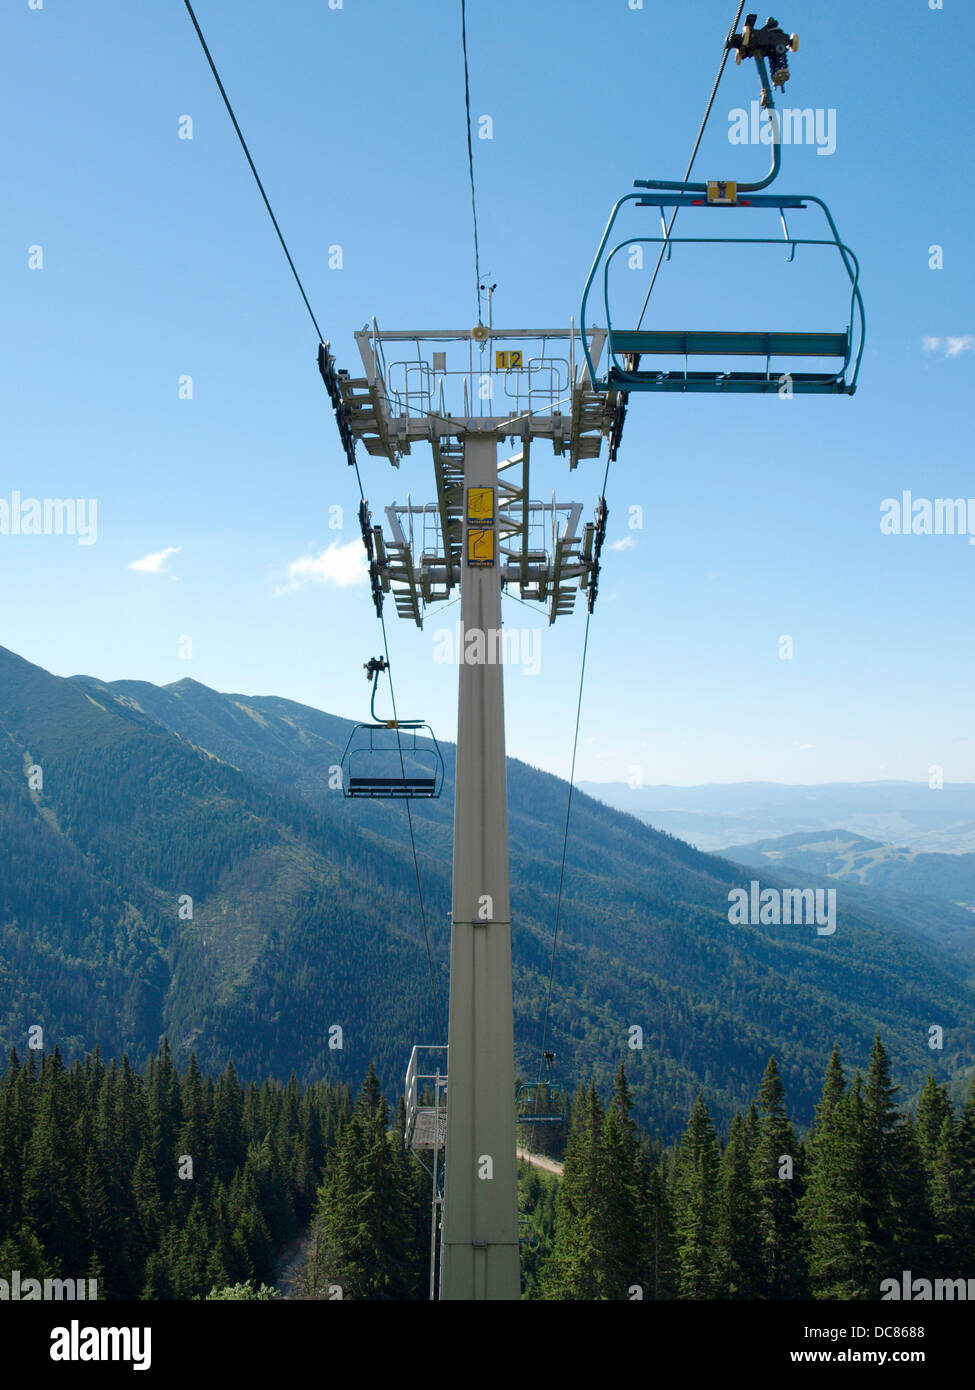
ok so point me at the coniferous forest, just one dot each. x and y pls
(169, 1185)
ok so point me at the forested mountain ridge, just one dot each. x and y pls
(304, 915)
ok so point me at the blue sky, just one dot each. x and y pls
(761, 517)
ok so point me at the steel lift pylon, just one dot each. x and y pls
(464, 392)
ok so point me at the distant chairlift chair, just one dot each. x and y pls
(540, 1102)
(391, 758)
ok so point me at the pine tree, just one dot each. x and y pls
(662, 1262)
(964, 1185)
(367, 1207)
(933, 1108)
(896, 1207)
(946, 1196)
(778, 1180)
(915, 1244)
(693, 1196)
(15, 1126)
(834, 1085)
(51, 1199)
(101, 1227)
(572, 1271)
(228, 1124)
(22, 1250)
(621, 1227)
(737, 1263)
(163, 1119)
(194, 1136)
(416, 1184)
(833, 1207)
(937, 1140)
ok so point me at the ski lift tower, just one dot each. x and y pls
(464, 392)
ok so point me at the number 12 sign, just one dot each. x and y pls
(507, 361)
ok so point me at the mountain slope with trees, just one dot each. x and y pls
(304, 917)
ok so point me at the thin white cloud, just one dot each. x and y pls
(341, 565)
(153, 564)
(627, 543)
(950, 347)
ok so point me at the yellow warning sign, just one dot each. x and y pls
(480, 547)
(480, 505)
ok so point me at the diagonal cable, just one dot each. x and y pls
(470, 151)
(690, 166)
(321, 339)
(257, 177)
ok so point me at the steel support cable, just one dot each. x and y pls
(257, 177)
(568, 808)
(568, 812)
(565, 842)
(585, 645)
(416, 864)
(690, 166)
(470, 151)
(321, 339)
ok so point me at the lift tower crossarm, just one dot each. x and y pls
(400, 402)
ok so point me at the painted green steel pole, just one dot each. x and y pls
(480, 1256)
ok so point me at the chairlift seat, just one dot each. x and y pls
(392, 786)
(697, 343)
(801, 383)
(622, 343)
(537, 1102)
(400, 760)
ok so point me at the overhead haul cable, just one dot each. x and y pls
(690, 166)
(470, 151)
(585, 645)
(321, 339)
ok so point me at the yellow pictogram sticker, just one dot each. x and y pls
(480, 505)
(480, 547)
(720, 191)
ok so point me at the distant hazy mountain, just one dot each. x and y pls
(304, 915)
(713, 817)
(839, 854)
